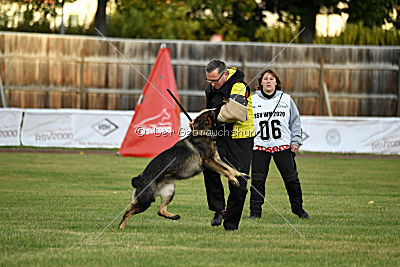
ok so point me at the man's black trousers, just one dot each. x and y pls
(236, 153)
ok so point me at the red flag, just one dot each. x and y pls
(156, 122)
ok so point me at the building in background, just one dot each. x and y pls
(80, 12)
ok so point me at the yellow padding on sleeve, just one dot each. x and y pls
(238, 89)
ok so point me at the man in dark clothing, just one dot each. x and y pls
(228, 93)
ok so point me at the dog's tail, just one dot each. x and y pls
(136, 181)
(146, 195)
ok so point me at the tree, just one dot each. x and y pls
(153, 20)
(37, 15)
(236, 20)
(373, 12)
(100, 18)
(300, 12)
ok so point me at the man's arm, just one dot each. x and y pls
(236, 108)
(295, 125)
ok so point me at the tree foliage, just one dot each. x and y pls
(192, 19)
(358, 34)
(278, 34)
(372, 13)
(153, 20)
(304, 13)
(235, 20)
(30, 16)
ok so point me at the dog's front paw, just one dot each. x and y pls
(234, 181)
(175, 217)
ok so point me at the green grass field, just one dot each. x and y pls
(54, 205)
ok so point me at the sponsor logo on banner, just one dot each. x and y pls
(53, 137)
(332, 137)
(8, 133)
(304, 135)
(385, 145)
(104, 127)
(158, 124)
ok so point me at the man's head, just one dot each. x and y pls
(216, 73)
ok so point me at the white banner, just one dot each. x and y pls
(75, 128)
(10, 126)
(351, 134)
(102, 129)
(107, 129)
(48, 128)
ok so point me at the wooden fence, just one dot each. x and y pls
(52, 71)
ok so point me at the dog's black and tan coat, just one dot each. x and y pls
(184, 160)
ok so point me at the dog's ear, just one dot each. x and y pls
(209, 120)
(199, 120)
(202, 118)
(214, 115)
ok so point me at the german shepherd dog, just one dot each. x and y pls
(184, 160)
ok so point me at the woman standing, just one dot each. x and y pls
(279, 135)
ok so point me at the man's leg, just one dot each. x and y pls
(215, 195)
(239, 156)
(235, 203)
(286, 164)
(259, 173)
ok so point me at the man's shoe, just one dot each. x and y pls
(254, 215)
(303, 214)
(230, 227)
(217, 219)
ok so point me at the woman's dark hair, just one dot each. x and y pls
(273, 73)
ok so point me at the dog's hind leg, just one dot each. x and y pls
(126, 217)
(135, 209)
(137, 206)
(167, 192)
